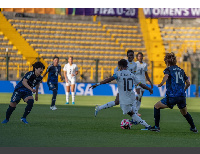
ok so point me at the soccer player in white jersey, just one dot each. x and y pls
(141, 73)
(125, 81)
(132, 68)
(70, 72)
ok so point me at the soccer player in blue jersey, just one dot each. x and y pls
(54, 70)
(175, 79)
(24, 90)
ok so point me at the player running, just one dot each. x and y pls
(132, 68)
(141, 73)
(70, 72)
(54, 70)
(24, 90)
(175, 79)
(125, 81)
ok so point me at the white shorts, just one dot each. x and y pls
(71, 81)
(128, 108)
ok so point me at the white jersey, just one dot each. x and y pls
(70, 69)
(140, 72)
(132, 66)
(125, 81)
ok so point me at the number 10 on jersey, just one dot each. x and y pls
(128, 84)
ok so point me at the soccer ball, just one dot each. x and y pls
(126, 124)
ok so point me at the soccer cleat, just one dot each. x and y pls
(73, 103)
(53, 108)
(154, 128)
(96, 110)
(67, 103)
(147, 128)
(5, 121)
(194, 130)
(24, 120)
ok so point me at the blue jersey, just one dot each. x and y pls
(53, 73)
(176, 81)
(33, 80)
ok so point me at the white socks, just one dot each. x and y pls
(67, 96)
(107, 105)
(73, 96)
(138, 104)
(139, 120)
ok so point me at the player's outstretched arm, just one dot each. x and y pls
(164, 80)
(145, 87)
(103, 82)
(148, 79)
(25, 83)
(187, 84)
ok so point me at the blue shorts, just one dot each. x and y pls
(172, 101)
(52, 86)
(20, 94)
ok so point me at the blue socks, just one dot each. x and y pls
(28, 107)
(157, 116)
(9, 112)
(189, 119)
(54, 97)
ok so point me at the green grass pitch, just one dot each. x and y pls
(76, 126)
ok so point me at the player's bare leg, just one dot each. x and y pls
(107, 105)
(73, 93)
(67, 94)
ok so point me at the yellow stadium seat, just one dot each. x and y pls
(29, 10)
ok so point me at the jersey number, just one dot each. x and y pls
(179, 76)
(128, 84)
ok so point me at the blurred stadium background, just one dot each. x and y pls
(97, 38)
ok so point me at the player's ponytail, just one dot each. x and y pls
(170, 59)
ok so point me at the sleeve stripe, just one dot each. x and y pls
(138, 84)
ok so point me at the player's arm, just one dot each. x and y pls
(145, 87)
(137, 83)
(25, 83)
(103, 82)
(65, 76)
(148, 79)
(36, 93)
(62, 78)
(187, 81)
(46, 71)
(187, 84)
(76, 71)
(164, 80)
